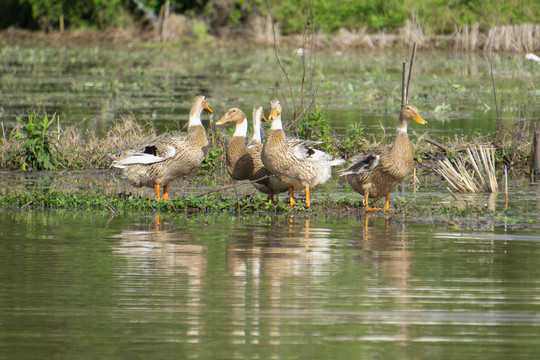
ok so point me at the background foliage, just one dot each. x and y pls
(436, 16)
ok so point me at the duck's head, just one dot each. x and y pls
(275, 109)
(200, 104)
(258, 115)
(409, 112)
(234, 115)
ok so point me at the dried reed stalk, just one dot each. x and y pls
(481, 178)
(524, 37)
(466, 37)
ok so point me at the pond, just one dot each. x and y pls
(93, 85)
(81, 285)
(445, 276)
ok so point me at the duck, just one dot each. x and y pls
(168, 157)
(376, 174)
(295, 161)
(244, 161)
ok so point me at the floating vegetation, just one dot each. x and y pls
(126, 202)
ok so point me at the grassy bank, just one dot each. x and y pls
(473, 216)
(72, 148)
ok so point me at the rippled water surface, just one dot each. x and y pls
(74, 285)
(92, 85)
(85, 285)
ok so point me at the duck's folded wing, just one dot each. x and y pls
(150, 153)
(302, 149)
(362, 163)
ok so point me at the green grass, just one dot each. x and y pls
(37, 142)
(127, 203)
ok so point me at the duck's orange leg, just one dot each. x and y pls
(156, 190)
(366, 204)
(308, 200)
(387, 202)
(165, 193)
(291, 195)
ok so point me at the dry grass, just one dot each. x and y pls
(466, 37)
(170, 26)
(473, 173)
(524, 38)
(516, 38)
(84, 149)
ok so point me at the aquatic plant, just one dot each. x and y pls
(354, 140)
(38, 142)
(211, 160)
(127, 202)
(314, 125)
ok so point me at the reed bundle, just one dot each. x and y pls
(466, 37)
(524, 37)
(473, 173)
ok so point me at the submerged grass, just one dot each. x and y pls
(474, 217)
(124, 203)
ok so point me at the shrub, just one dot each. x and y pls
(38, 142)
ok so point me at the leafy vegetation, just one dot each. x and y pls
(37, 141)
(129, 203)
(436, 16)
(354, 141)
(314, 125)
(211, 160)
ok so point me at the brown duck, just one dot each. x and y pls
(244, 161)
(295, 161)
(376, 174)
(167, 157)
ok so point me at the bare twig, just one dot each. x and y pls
(410, 71)
(279, 61)
(440, 146)
(233, 186)
(495, 97)
(403, 94)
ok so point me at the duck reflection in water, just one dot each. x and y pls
(387, 244)
(160, 259)
(262, 263)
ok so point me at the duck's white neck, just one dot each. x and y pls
(195, 116)
(241, 129)
(256, 131)
(402, 129)
(276, 124)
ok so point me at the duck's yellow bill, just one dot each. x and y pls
(419, 119)
(207, 109)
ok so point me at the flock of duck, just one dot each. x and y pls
(282, 163)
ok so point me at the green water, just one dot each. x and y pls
(76, 285)
(91, 86)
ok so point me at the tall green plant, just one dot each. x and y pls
(38, 142)
(314, 126)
